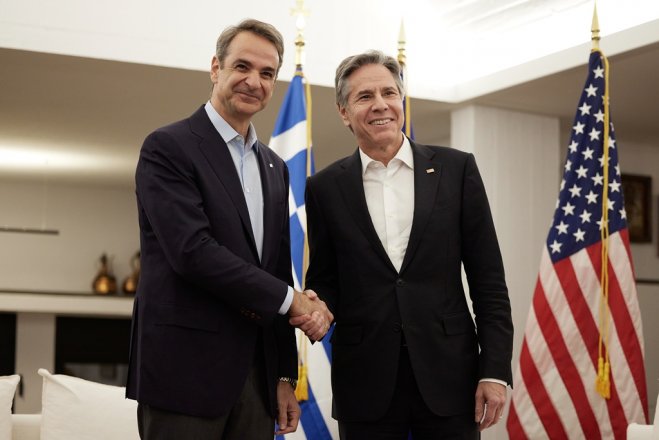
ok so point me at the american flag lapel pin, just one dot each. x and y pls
(271, 166)
(430, 170)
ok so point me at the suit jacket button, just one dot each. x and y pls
(398, 327)
(400, 282)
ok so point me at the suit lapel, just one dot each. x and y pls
(352, 188)
(217, 153)
(271, 231)
(427, 174)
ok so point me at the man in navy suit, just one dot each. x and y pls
(213, 355)
(389, 228)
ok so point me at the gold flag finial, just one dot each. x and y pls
(299, 11)
(401, 44)
(595, 29)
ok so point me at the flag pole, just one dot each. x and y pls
(602, 381)
(300, 12)
(402, 59)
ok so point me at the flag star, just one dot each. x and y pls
(573, 146)
(562, 184)
(578, 129)
(582, 171)
(585, 109)
(601, 160)
(591, 90)
(610, 204)
(561, 227)
(555, 247)
(615, 186)
(618, 170)
(594, 134)
(575, 191)
(597, 179)
(585, 216)
(599, 223)
(612, 143)
(599, 116)
(623, 213)
(592, 197)
(568, 209)
(579, 235)
(568, 165)
(599, 72)
(588, 153)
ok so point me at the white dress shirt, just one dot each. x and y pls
(389, 192)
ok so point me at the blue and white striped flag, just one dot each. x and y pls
(291, 140)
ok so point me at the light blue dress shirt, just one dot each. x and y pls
(244, 155)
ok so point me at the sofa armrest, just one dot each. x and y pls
(26, 426)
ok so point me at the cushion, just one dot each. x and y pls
(7, 391)
(77, 409)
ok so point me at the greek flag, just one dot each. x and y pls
(291, 140)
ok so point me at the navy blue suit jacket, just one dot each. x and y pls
(374, 305)
(204, 298)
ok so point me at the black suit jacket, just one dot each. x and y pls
(374, 305)
(204, 299)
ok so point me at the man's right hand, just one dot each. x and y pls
(310, 314)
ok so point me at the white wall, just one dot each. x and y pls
(91, 221)
(517, 155)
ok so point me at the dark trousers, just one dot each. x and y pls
(408, 413)
(249, 418)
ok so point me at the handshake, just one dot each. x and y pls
(310, 314)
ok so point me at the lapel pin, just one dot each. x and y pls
(271, 166)
(430, 170)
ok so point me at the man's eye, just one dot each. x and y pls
(267, 75)
(240, 67)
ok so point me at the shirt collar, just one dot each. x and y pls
(226, 131)
(404, 154)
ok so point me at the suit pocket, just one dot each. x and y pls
(186, 317)
(458, 324)
(346, 335)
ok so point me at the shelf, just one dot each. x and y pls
(66, 304)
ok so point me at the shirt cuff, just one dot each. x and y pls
(287, 302)
(500, 382)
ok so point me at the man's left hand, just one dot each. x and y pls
(288, 414)
(490, 402)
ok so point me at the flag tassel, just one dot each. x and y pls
(302, 389)
(603, 383)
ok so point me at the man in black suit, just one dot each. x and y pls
(212, 354)
(389, 228)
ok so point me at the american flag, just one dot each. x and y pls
(572, 323)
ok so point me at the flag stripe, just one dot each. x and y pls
(551, 421)
(569, 373)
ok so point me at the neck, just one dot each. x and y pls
(241, 125)
(382, 153)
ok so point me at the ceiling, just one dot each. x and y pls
(67, 115)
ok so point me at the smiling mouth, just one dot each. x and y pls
(380, 121)
(247, 95)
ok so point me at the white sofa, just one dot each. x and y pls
(71, 409)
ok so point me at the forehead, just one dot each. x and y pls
(371, 76)
(254, 48)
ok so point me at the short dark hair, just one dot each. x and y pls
(354, 62)
(265, 30)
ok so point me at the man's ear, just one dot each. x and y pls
(215, 69)
(344, 115)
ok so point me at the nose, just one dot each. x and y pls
(252, 79)
(379, 103)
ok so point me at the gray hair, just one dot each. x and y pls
(265, 30)
(354, 62)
